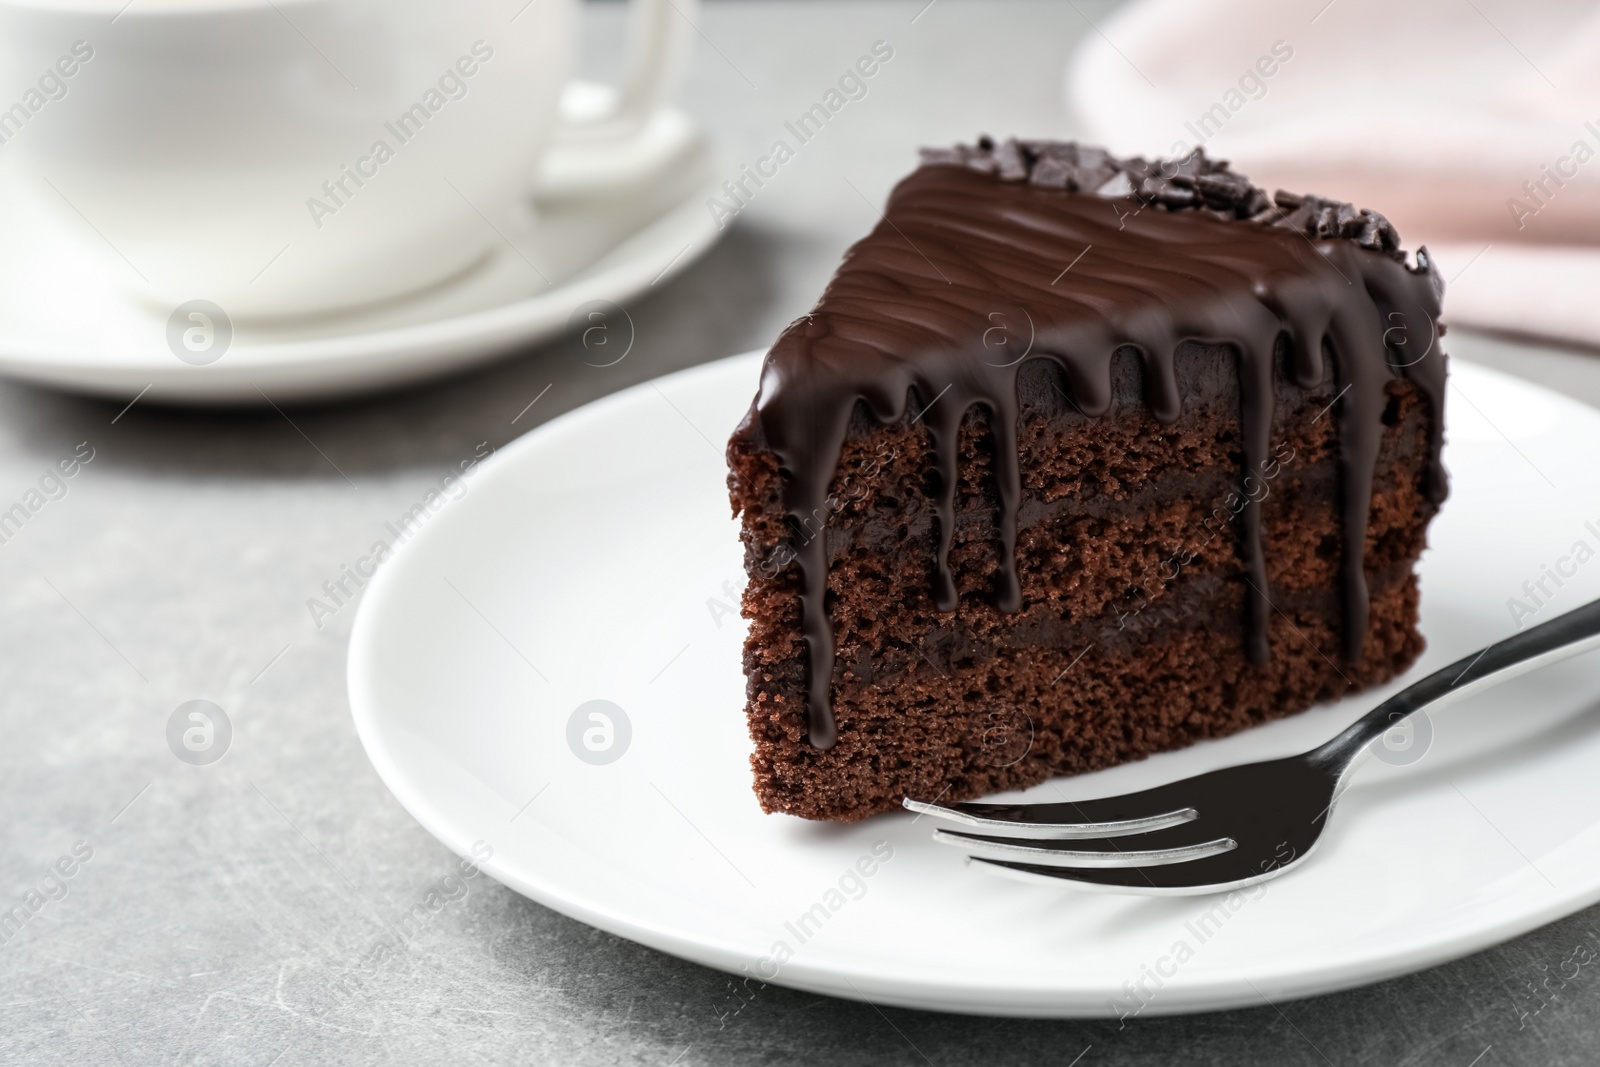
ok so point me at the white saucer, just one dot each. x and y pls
(67, 318)
(594, 559)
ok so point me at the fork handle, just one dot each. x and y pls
(1576, 631)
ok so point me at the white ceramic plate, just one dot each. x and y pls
(68, 318)
(595, 559)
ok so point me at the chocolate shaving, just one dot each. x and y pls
(1195, 181)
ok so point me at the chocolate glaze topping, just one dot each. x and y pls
(995, 254)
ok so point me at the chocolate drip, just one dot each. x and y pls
(996, 255)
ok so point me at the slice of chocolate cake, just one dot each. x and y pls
(1080, 459)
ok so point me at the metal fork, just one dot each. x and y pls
(1239, 825)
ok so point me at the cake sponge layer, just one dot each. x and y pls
(1129, 639)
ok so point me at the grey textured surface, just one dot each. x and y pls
(223, 905)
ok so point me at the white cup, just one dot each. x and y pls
(285, 157)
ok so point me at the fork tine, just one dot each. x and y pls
(1214, 874)
(1131, 813)
(1167, 848)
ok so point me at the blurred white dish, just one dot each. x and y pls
(310, 160)
(67, 320)
(594, 559)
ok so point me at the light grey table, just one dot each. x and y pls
(222, 905)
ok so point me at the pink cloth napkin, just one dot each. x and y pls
(1474, 125)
